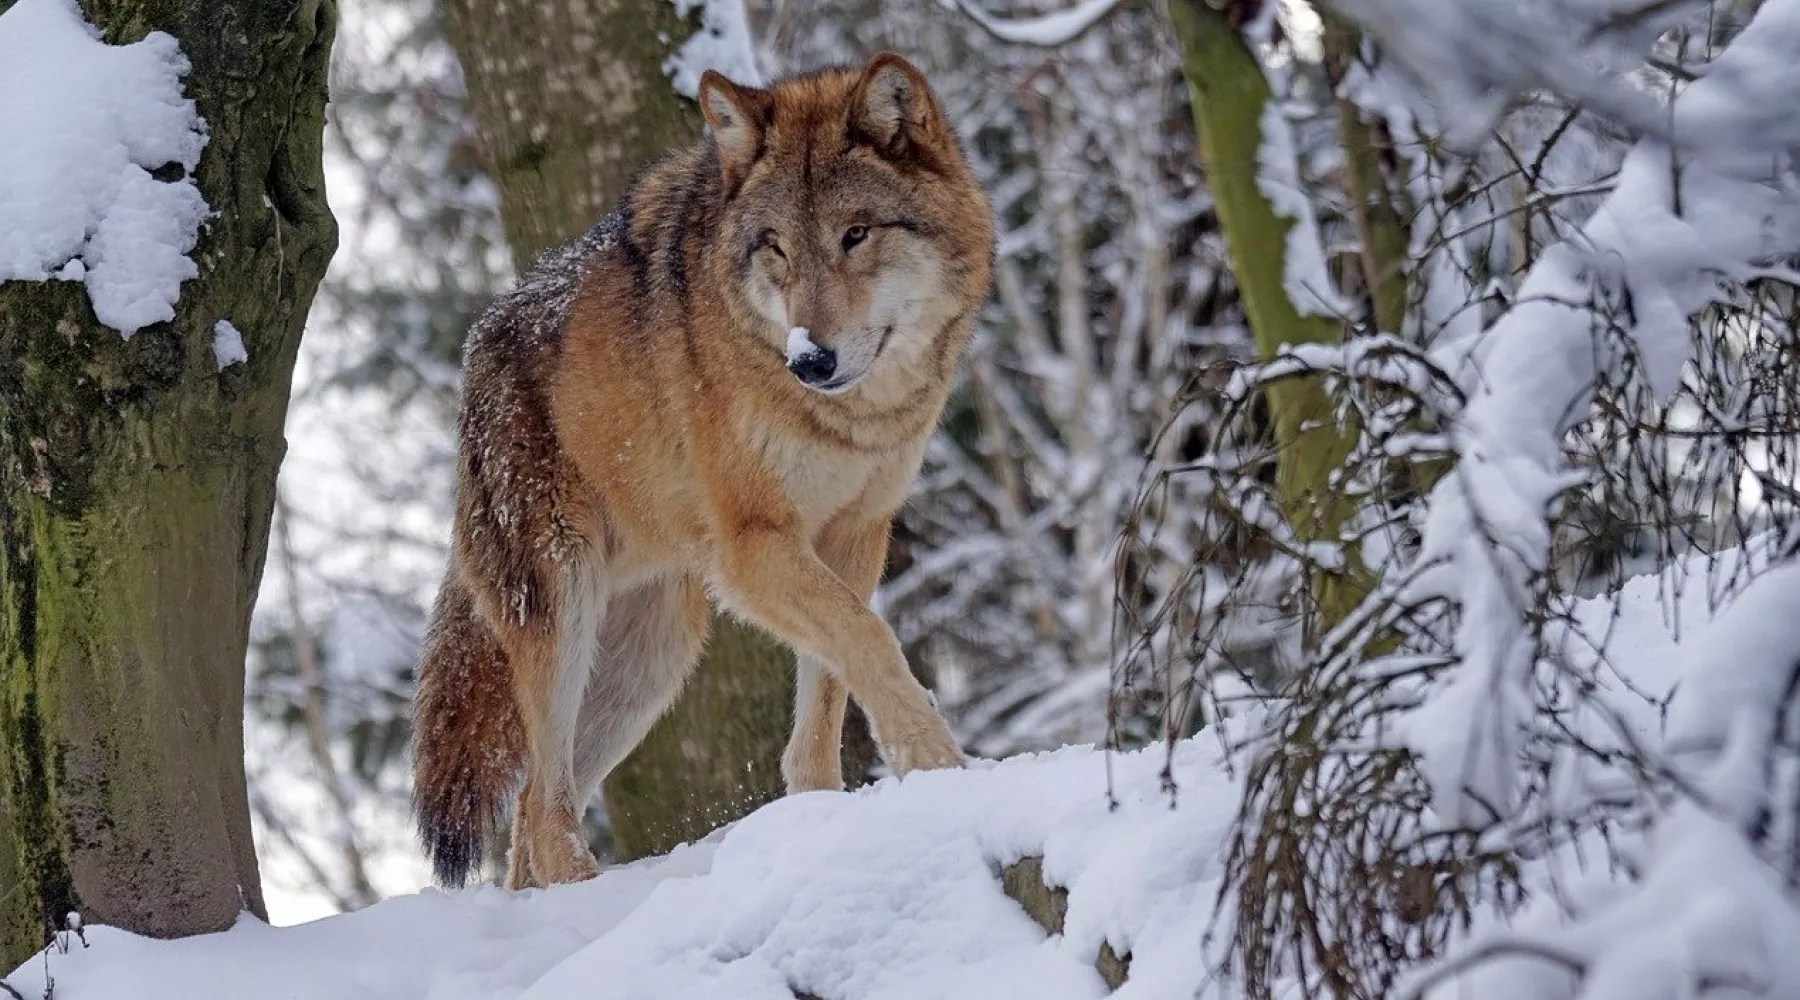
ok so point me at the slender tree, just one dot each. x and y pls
(1231, 100)
(137, 481)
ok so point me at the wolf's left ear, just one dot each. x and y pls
(738, 118)
(894, 110)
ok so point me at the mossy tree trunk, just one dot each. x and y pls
(1229, 95)
(570, 99)
(136, 485)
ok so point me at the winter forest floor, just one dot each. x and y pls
(894, 891)
(891, 892)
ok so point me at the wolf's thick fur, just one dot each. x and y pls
(633, 440)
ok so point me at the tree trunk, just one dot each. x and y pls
(1229, 94)
(136, 485)
(570, 98)
(717, 754)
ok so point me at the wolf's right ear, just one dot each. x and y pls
(738, 118)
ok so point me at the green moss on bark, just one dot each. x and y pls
(138, 482)
(1229, 95)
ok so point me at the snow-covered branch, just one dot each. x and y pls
(1046, 30)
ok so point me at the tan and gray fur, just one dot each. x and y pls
(634, 442)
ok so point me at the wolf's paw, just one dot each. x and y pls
(564, 859)
(924, 751)
(812, 772)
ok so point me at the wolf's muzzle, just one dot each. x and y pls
(815, 367)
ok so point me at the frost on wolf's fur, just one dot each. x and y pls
(228, 345)
(82, 126)
(722, 42)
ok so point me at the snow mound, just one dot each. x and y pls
(890, 892)
(85, 125)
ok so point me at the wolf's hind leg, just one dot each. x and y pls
(648, 645)
(518, 856)
(551, 676)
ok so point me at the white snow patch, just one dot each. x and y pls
(1473, 56)
(887, 893)
(84, 123)
(722, 42)
(799, 344)
(1704, 906)
(228, 345)
(1305, 277)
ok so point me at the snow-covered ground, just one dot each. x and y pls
(890, 892)
(894, 891)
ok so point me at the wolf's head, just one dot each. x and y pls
(855, 236)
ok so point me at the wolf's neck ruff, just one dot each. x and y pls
(725, 387)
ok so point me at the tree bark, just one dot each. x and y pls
(716, 756)
(570, 99)
(1229, 94)
(136, 486)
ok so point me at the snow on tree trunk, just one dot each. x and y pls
(137, 478)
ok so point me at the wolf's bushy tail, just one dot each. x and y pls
(468, 738)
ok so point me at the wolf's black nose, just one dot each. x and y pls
(816, 366)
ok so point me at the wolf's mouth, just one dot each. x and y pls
(839, 386)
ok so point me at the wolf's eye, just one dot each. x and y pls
(855, 235)
(771, 242)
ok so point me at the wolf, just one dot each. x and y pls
(720, 394)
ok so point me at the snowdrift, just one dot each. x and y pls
(891, 892)
(901, 891)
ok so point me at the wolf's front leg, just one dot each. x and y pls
(773, 577)
(856, 550)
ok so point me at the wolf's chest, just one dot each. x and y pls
(818, 478)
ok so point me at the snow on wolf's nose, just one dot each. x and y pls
(810, 363)
(800, 344)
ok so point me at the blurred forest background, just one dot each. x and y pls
(1101, 532)
(1112, 292)
(1380, 391)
